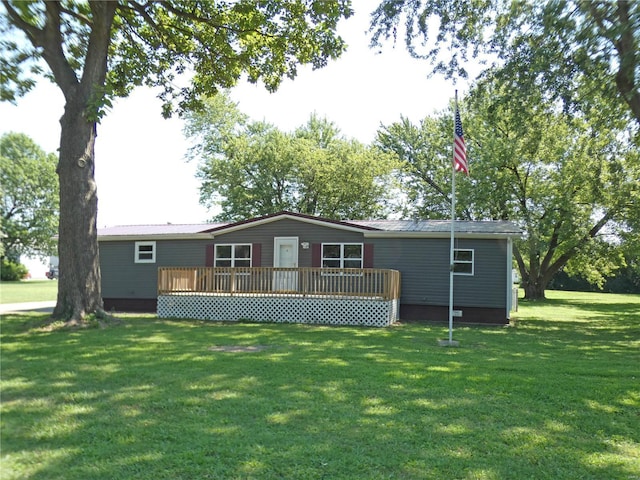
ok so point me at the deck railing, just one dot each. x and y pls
(328, 282)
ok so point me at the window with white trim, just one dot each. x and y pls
(233, 255)
(342, 255)
(145, 252)
(463, 261)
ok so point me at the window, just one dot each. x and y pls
(462, 262)
(145, 252)
(233, 255)
(342, 255)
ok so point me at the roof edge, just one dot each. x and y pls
(241, 225)
(475, 235)
(155, 236)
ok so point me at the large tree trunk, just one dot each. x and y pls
(533, 290)
(534, 281)
(79, 290)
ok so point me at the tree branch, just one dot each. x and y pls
(194, 17)
(53, 53)
(628, 55)
(553, 245)
(566, 256)
(78, 16)
(432, 184)
(95, 64)
(34, 34)
(521, 266)
(142, 10)
(625, 45)
(209, 21)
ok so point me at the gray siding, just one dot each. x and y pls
(306, 232)
(123, 278)
(424, 266)
(423, 263)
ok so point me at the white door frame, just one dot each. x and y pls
(285, 280)
(277, 242)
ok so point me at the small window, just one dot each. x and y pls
(342, 255)
(234, 255)
(463, 262)
(145, 252)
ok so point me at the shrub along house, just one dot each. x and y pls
(299, 268)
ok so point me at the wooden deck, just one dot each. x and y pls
(327, 282)
(366, 297)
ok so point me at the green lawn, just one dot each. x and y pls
(555, 396)
(28, 291)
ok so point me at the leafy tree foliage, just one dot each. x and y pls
(570, 184)
(425, 174)
(99, 50)
(625, 279)
(252, 168)
(12, 271)
(550, 130)
(583, 52)
(29, 194)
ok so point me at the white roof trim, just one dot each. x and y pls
(252, 223)
(474, 235)
(155, 236)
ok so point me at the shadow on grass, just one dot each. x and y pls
(150, 399)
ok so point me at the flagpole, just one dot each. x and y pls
(453, 221)
(459, 162)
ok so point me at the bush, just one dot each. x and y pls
(12, 272)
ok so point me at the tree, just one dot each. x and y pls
(29, 198)
(342, 178)
(550, 129)
(252, 168)
(570, 180)
(583, 52)
(96, 51)
(572, 185)
(425, 174)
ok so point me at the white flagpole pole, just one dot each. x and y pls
(453, 220)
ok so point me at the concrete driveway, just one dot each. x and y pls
(41, 307)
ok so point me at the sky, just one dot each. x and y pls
(141, 171)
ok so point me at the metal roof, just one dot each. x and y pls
(441, 226)
(368, 227)
(162, 229)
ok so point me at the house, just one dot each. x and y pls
(281, 260)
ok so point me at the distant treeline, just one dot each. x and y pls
(627, 280)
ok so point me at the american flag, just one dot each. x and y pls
(459, 148)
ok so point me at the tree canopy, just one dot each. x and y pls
(96, 51)
(583, 53)
(29, 197)
(572, 185)
(553, 123)
(152, 43)
(252, 168)
(424, 176)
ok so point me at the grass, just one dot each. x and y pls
(28, 291)
(555, 396)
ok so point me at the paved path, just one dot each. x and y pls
(43, 307)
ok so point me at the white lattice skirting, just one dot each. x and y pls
(314, 310)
